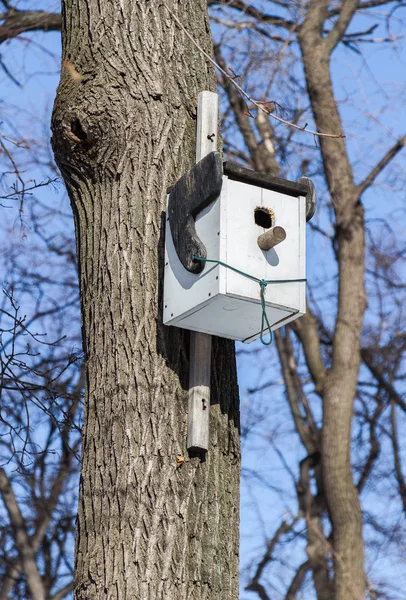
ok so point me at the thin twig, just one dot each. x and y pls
(28, 189)
(22, 144)
(244, 93)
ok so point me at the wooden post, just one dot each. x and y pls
(200, 343)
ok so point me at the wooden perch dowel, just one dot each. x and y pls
(272, 237)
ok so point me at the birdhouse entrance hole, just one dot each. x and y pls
(264, 217)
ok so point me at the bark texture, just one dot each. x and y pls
(123, 131)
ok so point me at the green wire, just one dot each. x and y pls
(262, 284)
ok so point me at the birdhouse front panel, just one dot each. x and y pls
(247, 208)
(220, 301)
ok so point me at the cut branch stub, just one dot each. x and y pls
(272, 237)
(195, 190)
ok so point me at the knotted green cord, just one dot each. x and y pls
(262, 284)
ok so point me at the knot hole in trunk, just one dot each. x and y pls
(78, 134)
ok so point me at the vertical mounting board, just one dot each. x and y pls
(200, 343)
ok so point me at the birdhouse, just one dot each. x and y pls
(235, 250)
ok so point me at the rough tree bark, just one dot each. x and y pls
(123, 131)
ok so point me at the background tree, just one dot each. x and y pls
(334, 368)
(328, 350)
(41, 397)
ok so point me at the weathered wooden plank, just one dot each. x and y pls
(207, 123)
(195, 190)
(199, 391)
(200, 343)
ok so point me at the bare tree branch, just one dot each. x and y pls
(396, 454)
(315, 18)
(255, 585)
(240, 111)
(306, 330)
(374, 3)
(297, 580)
(251, 11)
(48, 507)
(63, 592)
(264, 161)
(16, 22)
(6, 4)
(259, 105)
(287, 362)
(346, 13)
(374, 447)
(391, 153)
(23, 543)
(363, 5)
(379, 376)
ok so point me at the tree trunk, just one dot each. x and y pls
(340, 384)
(123, 131)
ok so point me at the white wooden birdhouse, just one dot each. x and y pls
(222, 214)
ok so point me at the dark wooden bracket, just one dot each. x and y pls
(195, 190)
(311, 201)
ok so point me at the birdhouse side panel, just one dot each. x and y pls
(288, 259)
(184, 292)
